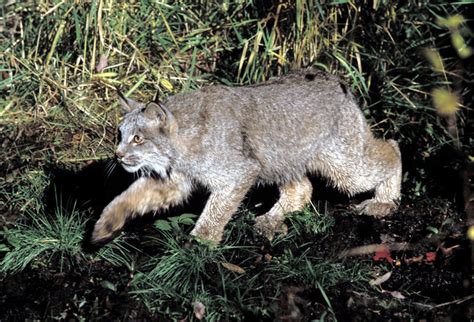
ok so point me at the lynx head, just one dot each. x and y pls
(146, 133)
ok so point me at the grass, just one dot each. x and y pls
(55, 241)
(235, 280)
(51, 239)
(61, 61)
(43, 238)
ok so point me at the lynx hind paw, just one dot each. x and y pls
(269, 226)
(376, 208)
(206, 235)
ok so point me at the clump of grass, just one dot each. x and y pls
(234, 281)
(310, 221)
(181, 275)
(49, 239)
(42, 239)
(55, 242)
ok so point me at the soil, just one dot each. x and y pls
(425, 249)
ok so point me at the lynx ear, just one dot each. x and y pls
(160, 113)
(156, 110)
(127, 104)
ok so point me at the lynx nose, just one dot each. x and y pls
(120, 154)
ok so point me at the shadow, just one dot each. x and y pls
(440, 174)
(90, 189)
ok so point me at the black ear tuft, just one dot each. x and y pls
(127, 104)
(157, 97)
(120, 94)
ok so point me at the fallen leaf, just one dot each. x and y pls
(103, 61)
(415, 259)
(381, 253)
(430, 256)
(199, 310)
(396, 294)
(367, 249)
(381, 279)
(233, 267)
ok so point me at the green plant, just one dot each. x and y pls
(44, 239)
(183, 274)
(310, 222)
(20, 191)
(174, 224)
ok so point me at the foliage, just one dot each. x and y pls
(41, 239)
(51, 240)
(231, 279)
(50, 69)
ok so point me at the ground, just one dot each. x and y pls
(412, 265)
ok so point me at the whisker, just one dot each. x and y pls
(109, 168)
(108, 164)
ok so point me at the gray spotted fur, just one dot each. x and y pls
(230, 138)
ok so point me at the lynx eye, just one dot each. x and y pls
(137, 139)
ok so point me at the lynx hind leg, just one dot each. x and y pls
(386, 158)
(143, 196)
(293, 197)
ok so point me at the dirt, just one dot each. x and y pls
(425, 249)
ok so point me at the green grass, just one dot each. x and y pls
(51, 239)
(235, 280)
(55, 241)
(43, 239)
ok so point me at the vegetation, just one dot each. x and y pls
(408, 63)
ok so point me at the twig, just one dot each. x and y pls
(435, 306)
(368, 249)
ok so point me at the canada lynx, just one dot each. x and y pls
(231, 138)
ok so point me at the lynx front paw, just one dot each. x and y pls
(269, 226)
(102, 233)
(375, 208)
(105, 230)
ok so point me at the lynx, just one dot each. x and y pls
(231, 138)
